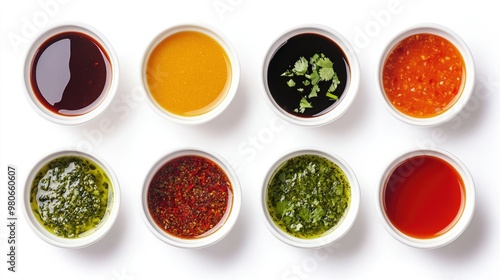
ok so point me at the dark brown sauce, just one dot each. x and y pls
(305, 45)
(70, 73)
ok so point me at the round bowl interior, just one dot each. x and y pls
(109, 94)
(460, 225)
(90, 237)
(230, 91)
(231, 213)
(333, 234)
(467, 89)
(350, 91)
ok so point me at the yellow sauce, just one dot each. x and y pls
(188, 73)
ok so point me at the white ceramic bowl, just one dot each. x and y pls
(230, 89)
(455, 230)
(91, 236)
(224, 226)
(101, 104)
(337, 231)
(468, 86)
(351, 89)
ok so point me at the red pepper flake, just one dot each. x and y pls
(423, 75)
(189, 196)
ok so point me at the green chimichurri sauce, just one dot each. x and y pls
(308, 195)
(70, 196)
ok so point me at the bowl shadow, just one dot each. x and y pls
(103, 250)
(468, 245)
(353, 241)
(226, 249)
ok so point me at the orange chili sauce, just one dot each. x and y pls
(188, 73)
(423, 75)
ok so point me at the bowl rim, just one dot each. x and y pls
(231, 91)
(80, 242)
(342, 227)
(470, 73)
(115, 72)
(217, 235)
(350, 92)
(460, 225)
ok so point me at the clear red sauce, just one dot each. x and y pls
(423, 75)
(189, 197)
(424, 197)
(70, 73)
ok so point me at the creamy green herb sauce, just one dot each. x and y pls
(70, 196)
(308, 195)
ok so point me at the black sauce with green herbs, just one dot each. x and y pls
(308, 75)
(308, 195)
(70, 196)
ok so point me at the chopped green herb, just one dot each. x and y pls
(308, 195)
(332, 96)
(300, 67)
(315, 78)
(326, 74)
(335, 83)
(314, 58)
(324, 62)
(304, 104)
(314, 91)
(318, 69)
(69, 196)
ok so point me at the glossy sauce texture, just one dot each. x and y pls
(424, 197)
(188, 73)
(306, 45)
(70, 196)
(308, 195)
(423, 75)
(189, 197)
(70, 73)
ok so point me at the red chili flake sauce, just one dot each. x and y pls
(424, 197)
(190, 196)
(423, 75)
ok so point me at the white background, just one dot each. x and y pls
(130, 137)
